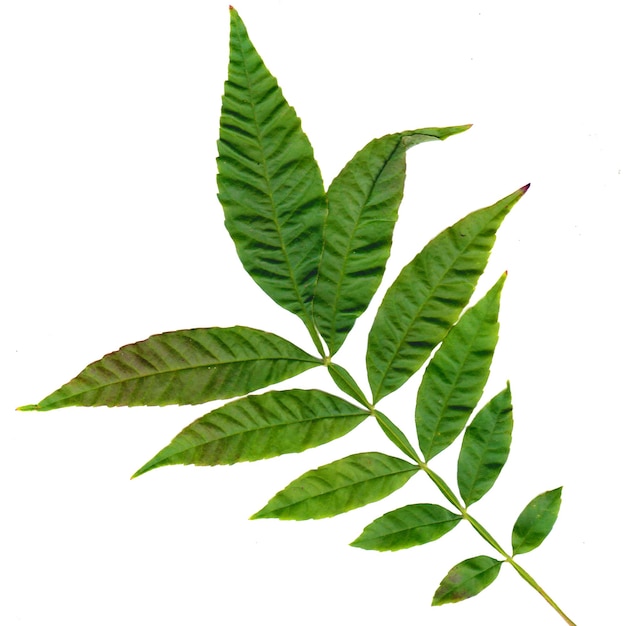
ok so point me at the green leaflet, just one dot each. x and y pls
(183, 367)
(260, 427)
(269, 183)
(485, 447)
(429, 294)
(536, 521)
(467, 579)
(363, 203)
(455, 377)
(339, 487)
(346, 383)
(412, 525)
(395, 435)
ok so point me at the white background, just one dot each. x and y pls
(111, 231)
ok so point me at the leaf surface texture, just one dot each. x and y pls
(269, 183)
(485, 448)
(260, 427)
(467, 579)
(456, 375)
(409, 526)
(428, 296)
(536, 521)
(363, 203)
(183, 367)
(339, 487)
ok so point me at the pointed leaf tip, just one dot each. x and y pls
(525, 188)
(28, 407)
(456, 130)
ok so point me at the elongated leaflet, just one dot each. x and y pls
(183, 367)
(412, 525)
(260, 427)
(339, 487)
(269, 182)
(428, 296)
(363, 206)
(455, 377)
(485, 448)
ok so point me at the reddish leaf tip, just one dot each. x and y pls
(524, 189)
(231, 7)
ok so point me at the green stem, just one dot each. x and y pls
(533, 583)
(347, 383)
(486, 535)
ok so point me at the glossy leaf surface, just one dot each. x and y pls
(485, 447)
(428, 296)
(412, 525)
(363, 203)
(260, 427)
(269, 183)
(183, 367)
(339, 487)
(456, 375)
(536, 521)
(467, 579)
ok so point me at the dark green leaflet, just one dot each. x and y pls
(456, 375)
(428, 296)
(269, 182)
(363, 203)
(536, 521)
(485, 448)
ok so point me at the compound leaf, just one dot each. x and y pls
(339, 487)
(409, 526)
(363, 203)
(260, 427)
(269, 183)
(485, 447)
(183, 367)
(467, 579)
(428, 296)
(455, 377)
(536, 521)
